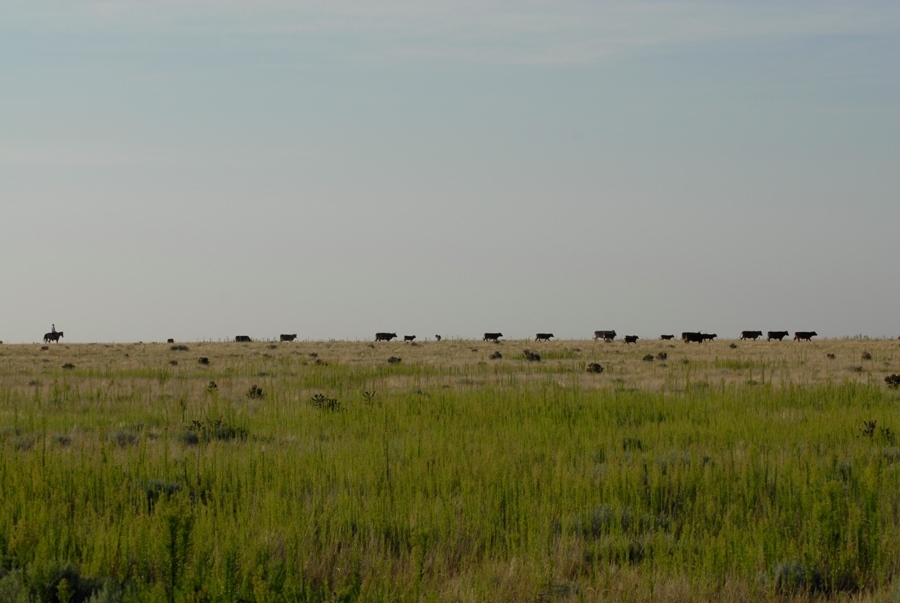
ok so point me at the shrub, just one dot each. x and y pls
(868, 429)
(322, 402)
(123, 438)
(532, 356)
(208, 430)
(893, 381)
(12, 587)
(179, 348)
(393, 360)
(648, 358)
(791, 577)
(56, 581)
(255, 392)
(632, 444)
(594, 367)
(496, 356)
(155, 488)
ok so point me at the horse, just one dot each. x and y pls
(53, 336)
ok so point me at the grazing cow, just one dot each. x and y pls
(243, 339)
(543, 336)
(286, 337)
(707, 336)
(779, 335)
(604, 335)
(170, 340)
(492, 337)
(804, 335)
(52, 336)
(384, 336)
(689, 336)
(631, 338)
(666, 337)
(409, 338)
(437, 337)
(754, 335)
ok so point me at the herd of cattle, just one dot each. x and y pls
(686, 337)
(696, 336)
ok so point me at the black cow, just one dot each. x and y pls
(52, 336)
(170, 340)
(285, 337)
(631, 338)
(666, 337)
(689, 336)
(804, 335)
(409, 338)
(707, 336)
(754, 335)
(604, 335)
(243, 339)
(779, 335)
(437, 337)
(492, 337)
(384, 336)
(543, 336)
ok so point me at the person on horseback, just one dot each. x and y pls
(53, 328)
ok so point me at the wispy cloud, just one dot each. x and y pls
(537, 31)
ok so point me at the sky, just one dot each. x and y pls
(202, 169)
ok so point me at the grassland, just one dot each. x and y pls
(319, 471)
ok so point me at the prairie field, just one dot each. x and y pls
(452, 471)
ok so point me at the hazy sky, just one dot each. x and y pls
(200, 169)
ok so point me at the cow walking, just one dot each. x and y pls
(779, 335)
(689, 336)
(604, 335)
(754, 335)
(384, 336)
(495, 337)
(543, 336)
(804, 335)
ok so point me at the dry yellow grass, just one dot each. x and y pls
(674, 365)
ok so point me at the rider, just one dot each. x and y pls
(53, 328)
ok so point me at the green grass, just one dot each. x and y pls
(452, 478)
